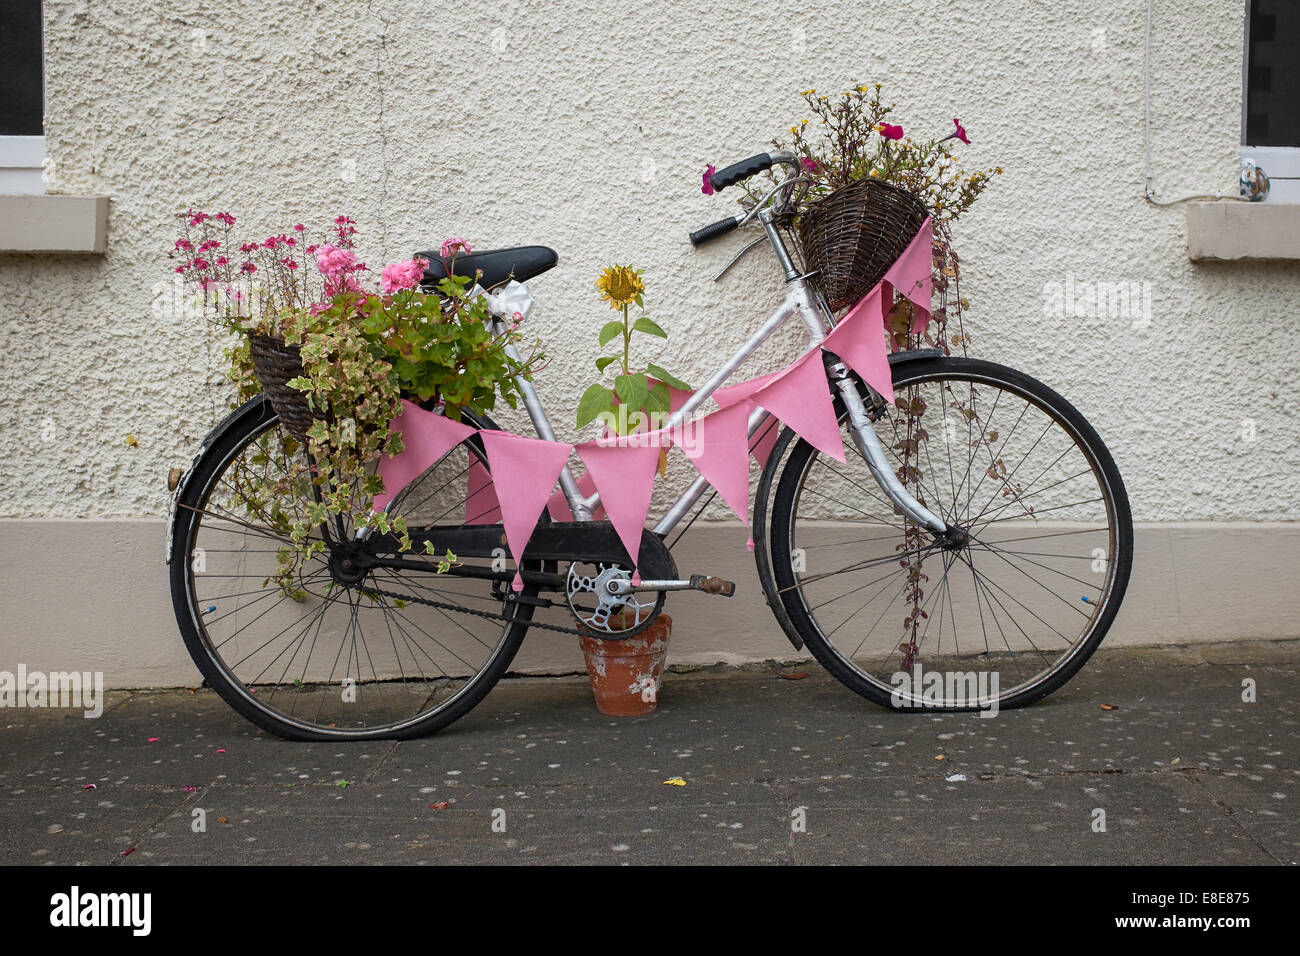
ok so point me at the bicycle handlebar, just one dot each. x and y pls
(741, 170)
(713, 230)
(732, 175)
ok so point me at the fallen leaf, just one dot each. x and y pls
(222, 820)
(1109, 707)
(1176, 760)
(442, 805)
(128, 851)
(221, 750)
(190, 789)
(940, 757)
(797, 675)
(675, 782)
(90, 786)
(152, 739)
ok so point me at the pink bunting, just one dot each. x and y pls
(730, 395)
(801, 398)
(911, 273)
(481, 505)
(624, 472)
(723, 456)
(859, 340)
(524, 471)
(428, 437)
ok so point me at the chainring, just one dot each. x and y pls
(615, 615)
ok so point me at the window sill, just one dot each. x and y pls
(1239, 230)
(53, 223)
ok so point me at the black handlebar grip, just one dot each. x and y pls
(713, 230)
(741, 170)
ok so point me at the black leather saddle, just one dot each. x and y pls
(497, 265)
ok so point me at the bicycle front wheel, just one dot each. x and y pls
(1008, 605)
(332, 654)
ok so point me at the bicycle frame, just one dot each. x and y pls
(799, 299)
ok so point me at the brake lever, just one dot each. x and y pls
(736, 258)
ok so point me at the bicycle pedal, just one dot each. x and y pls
(712, 585)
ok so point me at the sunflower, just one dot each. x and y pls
(620, 286)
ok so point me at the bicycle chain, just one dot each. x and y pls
(488, 615)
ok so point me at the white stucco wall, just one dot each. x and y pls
(585, 126)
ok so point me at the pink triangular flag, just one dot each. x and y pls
(801, 398)
(624, 472)
(730, 395)
(524, 471)
(911, 274)
(859, 340)
(481, 505)
(428, 437)
(721, 454)
(558, 505)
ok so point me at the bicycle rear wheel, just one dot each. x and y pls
(329, 657)
(1000, 612)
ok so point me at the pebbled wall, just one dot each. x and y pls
(585, 126)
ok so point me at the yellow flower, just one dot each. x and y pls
(620, 286)
(807, 92)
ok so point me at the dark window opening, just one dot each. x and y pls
(22, 75)
(1273, 74)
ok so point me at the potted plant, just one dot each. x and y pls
(336, 359)
(627, 672)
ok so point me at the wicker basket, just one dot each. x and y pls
(853, 236)
(275, 363)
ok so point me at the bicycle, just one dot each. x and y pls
(1029, 539)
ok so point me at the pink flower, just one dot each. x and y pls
(707, 188)
(299, 228)
(961, 132)
(333, 261)
(402, 275)
(337, 266)
(809, 164)
(225, 217)
(890, 131)
(454, 246)
(183, 244)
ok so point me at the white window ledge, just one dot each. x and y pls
(1243, 230)
(53, 223)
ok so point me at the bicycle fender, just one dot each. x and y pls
(257, 407)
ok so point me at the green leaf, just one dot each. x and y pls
(611, 329)
(633, 390)
(649, 328)
(666, 377)
(595, 400)
(603, 363)
(659, 400)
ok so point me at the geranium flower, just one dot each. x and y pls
(454, 246)
(960, 133)
(402, 275)
(809, 164)
(707, 188)
(890, 131)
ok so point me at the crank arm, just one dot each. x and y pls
(697, 582)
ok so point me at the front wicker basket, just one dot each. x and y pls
(275, 363)
(853, 235)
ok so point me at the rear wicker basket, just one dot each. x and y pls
(852, 236)
(275, 364)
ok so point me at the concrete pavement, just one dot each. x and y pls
(776, 770)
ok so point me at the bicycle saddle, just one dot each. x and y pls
(496, 265)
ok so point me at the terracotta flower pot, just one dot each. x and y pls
(627, 674)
